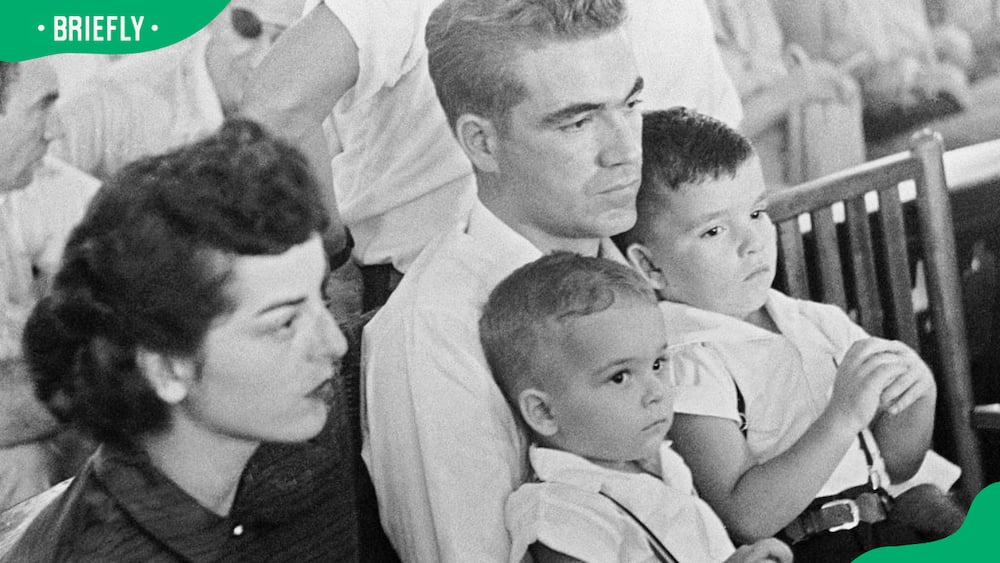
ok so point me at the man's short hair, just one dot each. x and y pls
(681, 147)
(525, 312)
(474, 46)
(8, 74)
(148, 267)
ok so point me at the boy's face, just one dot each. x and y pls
(609, 395)
(715, 244)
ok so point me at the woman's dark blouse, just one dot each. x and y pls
(295, 503)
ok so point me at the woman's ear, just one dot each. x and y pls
(535, 406)
(171, 377)
(641, 259)
(478, 138)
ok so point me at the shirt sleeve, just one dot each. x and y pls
(443, 448)
(580, 524)
(389, 37)
(704, 384)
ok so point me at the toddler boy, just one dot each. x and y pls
(578, 347)
(789, 415)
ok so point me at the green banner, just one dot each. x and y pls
(975, 541)
(45, 27)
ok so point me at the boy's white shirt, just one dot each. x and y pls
(566, 512)
(709, 351)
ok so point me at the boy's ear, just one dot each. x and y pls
(171, 377)
(537, 412)
(641, 260)
(478, 138)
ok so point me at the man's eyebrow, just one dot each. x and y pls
(564, 114)
(295, 302)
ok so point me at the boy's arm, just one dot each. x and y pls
(296, 87)
(757, 500)
(904, 427)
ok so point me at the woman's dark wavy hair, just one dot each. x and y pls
(147, 267)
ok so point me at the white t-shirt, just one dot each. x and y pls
(401, 177)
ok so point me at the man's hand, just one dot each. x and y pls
(766, 550)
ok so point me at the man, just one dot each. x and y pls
(152, 102)
(397, 175)
(40, 201)
(542, 98)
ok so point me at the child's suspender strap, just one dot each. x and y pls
(659, 550)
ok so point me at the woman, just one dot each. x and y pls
(185, 327)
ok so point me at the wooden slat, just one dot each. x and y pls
(828, 257)
(944, 293)
(862, 256)
(896, 261)
(793, 272)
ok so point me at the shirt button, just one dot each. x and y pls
(238, 530)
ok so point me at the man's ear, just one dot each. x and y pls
(641, 260)
(171, 377)
(536, 410)
(478, 138)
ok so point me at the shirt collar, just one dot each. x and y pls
(517, 250)
(687, 324)
(158, 505)
(641, 492)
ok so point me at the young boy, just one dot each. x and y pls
(783, 405)
(578, 347)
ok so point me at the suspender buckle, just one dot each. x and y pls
(852, 507)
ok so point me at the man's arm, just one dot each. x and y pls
(22, 417)
(296, 87)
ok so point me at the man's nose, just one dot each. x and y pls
(623, 140)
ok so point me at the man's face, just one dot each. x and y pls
(28, 123)
(569, 158)
(241, 36)
(715, 245)
(266, 365)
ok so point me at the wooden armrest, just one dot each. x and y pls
(986, 416)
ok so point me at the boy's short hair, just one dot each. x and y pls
(681, 147)
(473, 46)
(525, 311)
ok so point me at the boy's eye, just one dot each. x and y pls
(659, 364)
(633, 103)
(757, 214)
(713, 232)
(620, 377)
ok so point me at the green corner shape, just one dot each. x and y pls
(975, 541)
(36, 29)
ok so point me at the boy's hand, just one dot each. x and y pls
(765, 550)
(916, 382)
(868, 367)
